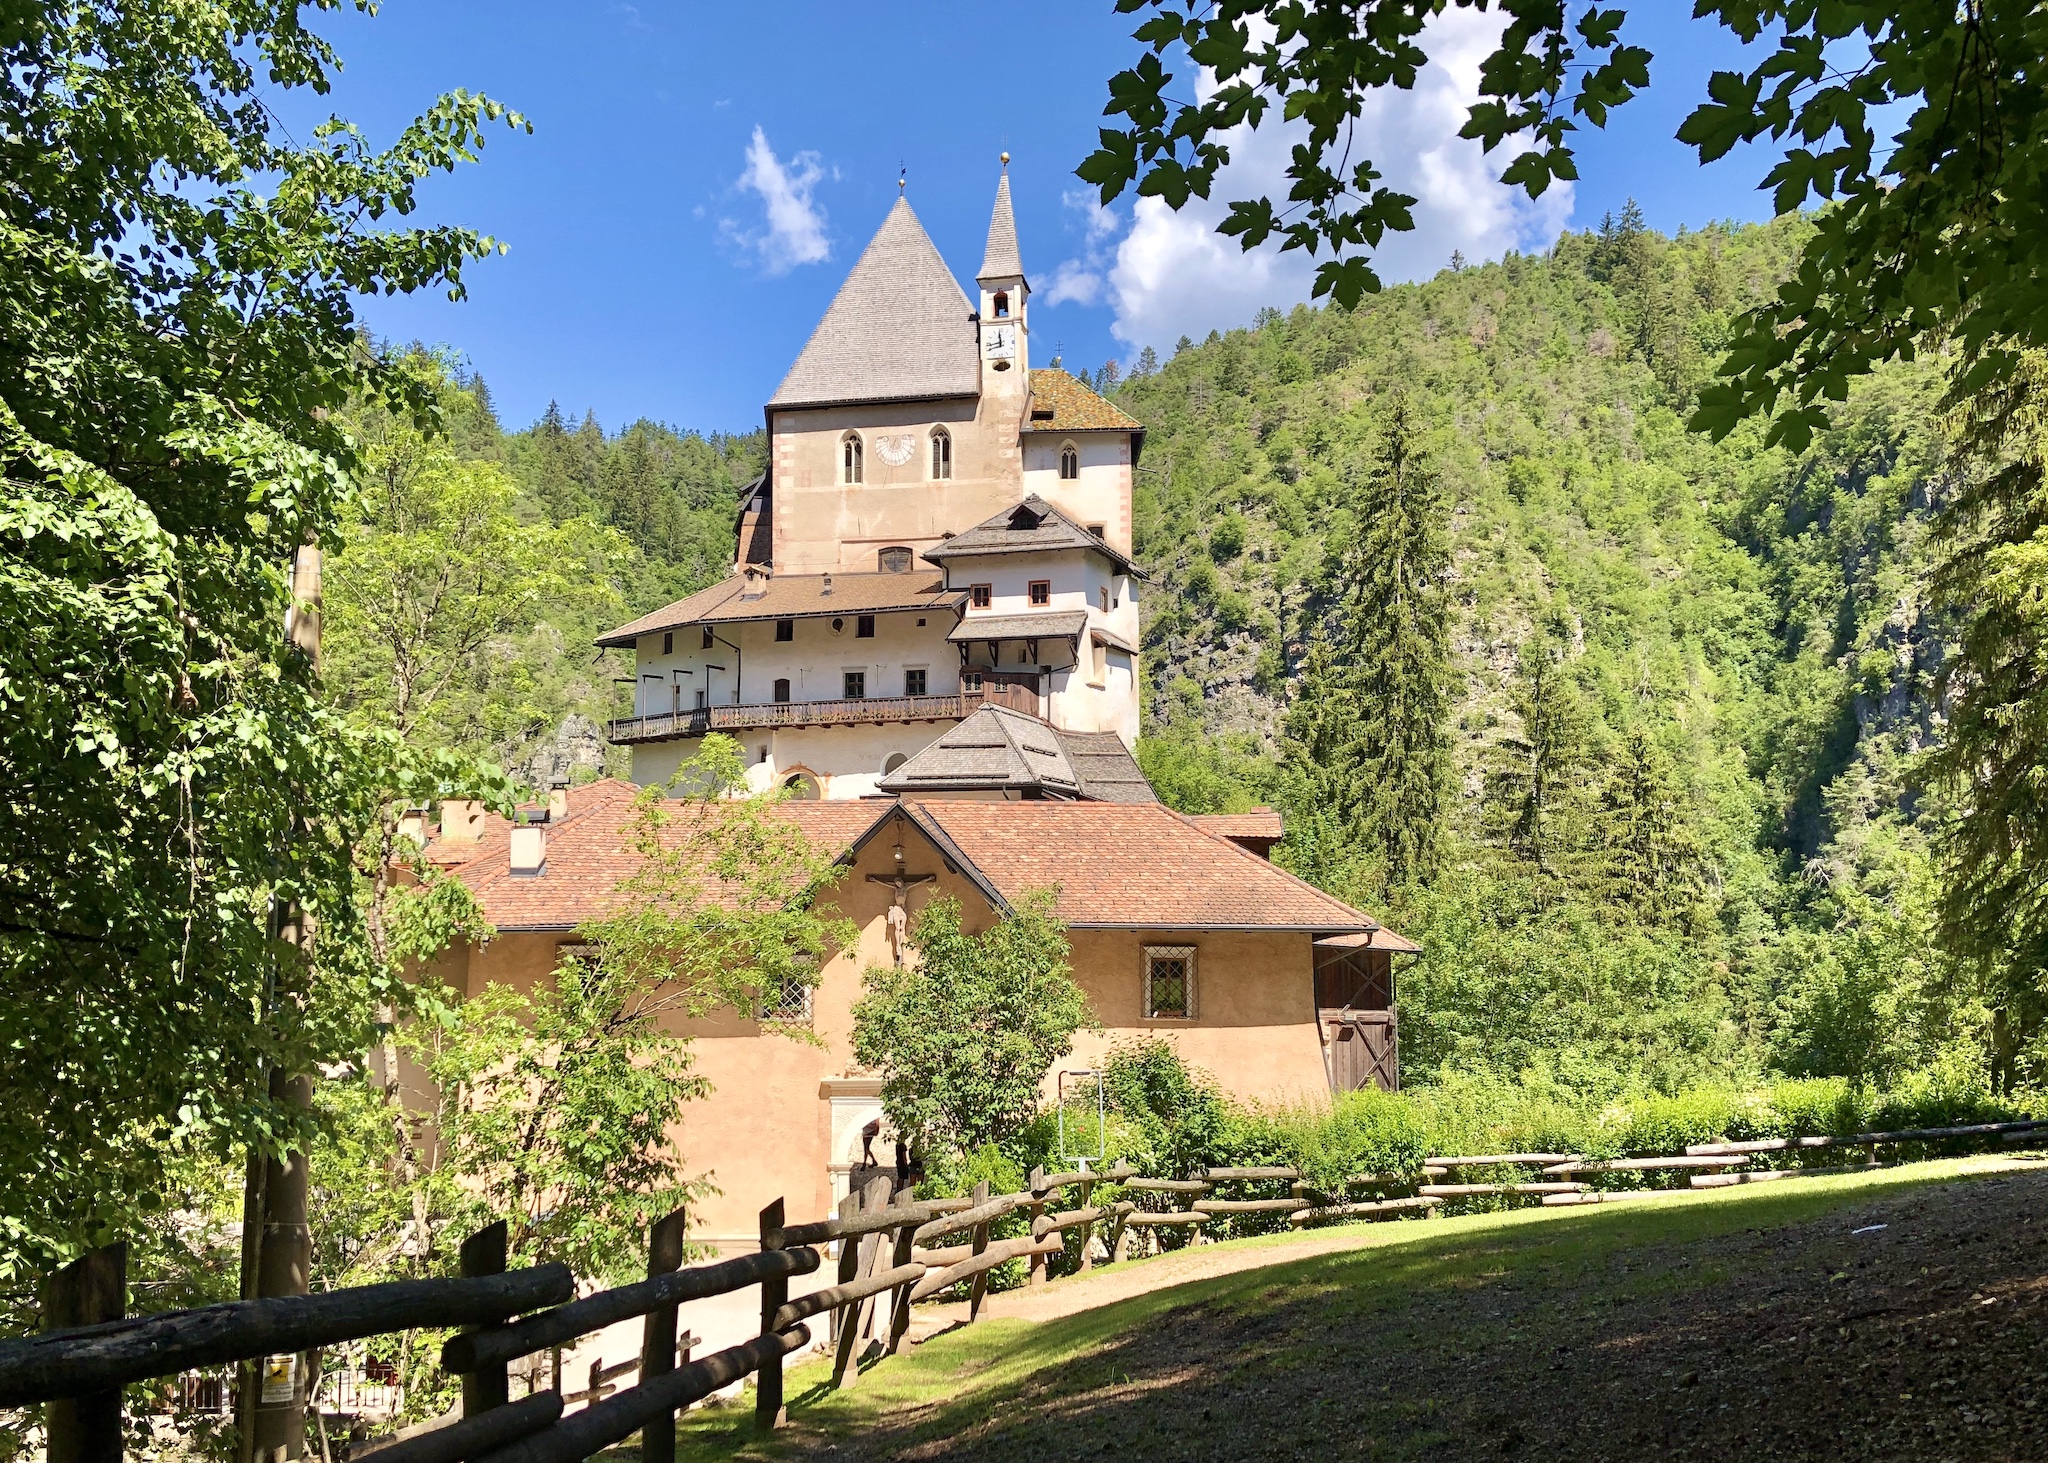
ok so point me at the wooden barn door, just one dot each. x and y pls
(1355, 1009)
(1360, 1050)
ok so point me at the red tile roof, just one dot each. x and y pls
(1132, 865)
(795, 597)
(1117, 865)
(1258, 823)
(590, 850)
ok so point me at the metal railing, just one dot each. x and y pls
(696, 721)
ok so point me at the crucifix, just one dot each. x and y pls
(899, 916)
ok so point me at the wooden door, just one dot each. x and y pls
(1361, 1049)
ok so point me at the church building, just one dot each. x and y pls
(930, 639)
(941, 528)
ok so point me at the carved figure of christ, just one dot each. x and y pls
(899, 915)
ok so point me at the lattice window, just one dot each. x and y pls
(942, 453)
(1170, 982)
(790, 1002)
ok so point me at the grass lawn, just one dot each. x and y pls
(1740, 1323)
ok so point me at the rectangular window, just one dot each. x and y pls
(781, 688)
(856, 685)
(787, 1000)
(1101, 663)
(709, 641)
(980, 596)
(1040, 592)
(703, 697)
(1169, 982)
(785, 631)
(864, 628)
(970, 680)
(1098, 529)
(913, 682)
(1102, 597)
(668, 643)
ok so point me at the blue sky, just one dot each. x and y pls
(700, 177)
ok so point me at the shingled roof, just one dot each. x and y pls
(1034, 526)
(794, 597)
(1128, 866)
(1002, 259)
(1000, 750)
(1118, 865)
(590, 852)
(900, 328)
(1060, 403)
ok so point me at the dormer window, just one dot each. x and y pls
(1002, 304)
(894, 560)
(942, 454)
(850, 458)
(1070, 462)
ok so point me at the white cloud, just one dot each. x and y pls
(1081, 280)
(1175, 275)
(792, 230)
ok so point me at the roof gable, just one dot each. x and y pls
(900, 328)
(1033, 526)
(1132, 866)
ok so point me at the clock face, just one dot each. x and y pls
(999, 342)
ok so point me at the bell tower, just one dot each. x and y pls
(1005, 320)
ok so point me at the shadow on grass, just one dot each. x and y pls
(1753, 1324)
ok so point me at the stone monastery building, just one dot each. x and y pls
(941, 528)
(930, 638)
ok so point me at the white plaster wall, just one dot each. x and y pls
(846, 760)
(1102, 493)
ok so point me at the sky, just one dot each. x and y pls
(700, 177)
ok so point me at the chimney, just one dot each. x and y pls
(828, 585)
(412, 824)
(558, 801)
(462, 820)
(529, 850)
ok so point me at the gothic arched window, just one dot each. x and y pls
(1070, 461)
(850, 449)
(942, 454)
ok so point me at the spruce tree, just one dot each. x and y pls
(1367, 733)
(1531, 784)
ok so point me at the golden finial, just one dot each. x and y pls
(1006, 159)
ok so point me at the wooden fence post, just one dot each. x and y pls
(1036, 1275)
(847, 1317)
(899, 1298)
(774, 1294)
(979, 1239)
(91, 1289)
(658, 1338)
(483, 1253)
(1087, 1187)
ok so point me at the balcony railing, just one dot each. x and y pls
(672, 725)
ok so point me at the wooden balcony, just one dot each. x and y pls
(670, 726)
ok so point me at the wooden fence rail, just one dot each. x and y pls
(883, 1254)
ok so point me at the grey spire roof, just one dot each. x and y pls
(1002, 259)
(898, 330)
(1000, 750)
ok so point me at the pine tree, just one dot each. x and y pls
(1148, 362)
(1652, 858)
(1534, 775)
(1367, 735)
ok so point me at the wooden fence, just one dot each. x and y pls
(906, 1251)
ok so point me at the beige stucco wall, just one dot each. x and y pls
(824, 525)
(783, 1111)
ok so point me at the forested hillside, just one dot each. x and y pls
(1675, 836)
(1686, 679)
(480, 565)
